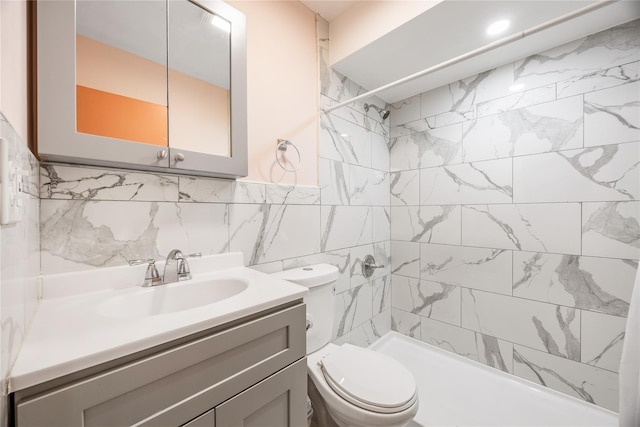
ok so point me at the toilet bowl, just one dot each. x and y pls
(359, 387)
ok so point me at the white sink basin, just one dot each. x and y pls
(170, 298)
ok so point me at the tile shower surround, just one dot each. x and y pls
(515, 231)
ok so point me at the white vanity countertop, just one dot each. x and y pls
(68, 333)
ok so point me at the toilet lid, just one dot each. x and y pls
(368, 379)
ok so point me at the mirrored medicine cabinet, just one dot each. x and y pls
(155, 85)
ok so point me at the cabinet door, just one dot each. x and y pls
(278, 401)
(208, 419)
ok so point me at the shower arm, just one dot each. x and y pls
(486, 48)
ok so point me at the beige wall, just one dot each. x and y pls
(367, 21)
(282, 88)
(198, 116)
(13, 64)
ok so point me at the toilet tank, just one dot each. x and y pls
(319, 278)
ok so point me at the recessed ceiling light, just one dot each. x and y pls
(498, 27)
(221, 23)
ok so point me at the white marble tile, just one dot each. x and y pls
(601, 79)
(248, 192)
(70, 230)
(438, 301)
(370, 121)
(354, 114)
(547, 227)
(475, 346)
(477, 268)
(435, 147)
(428, 224)
(381, 294)
(352, 308)
(545, 327)
(341, 259)
(405, 323)
(82, 183)
(606, 49)
(371, 330)
(612, 115)
(292, 194)
(196, 189)
(453, 117)
(333, 84)
(265, 233)
(609, 172)
(334, 182)
(19, 259)
(368, 187)
(451, 338)
(344, 141)
(420, 125)
(494, 352)
(611, 229)
(405, 188)
(463, 94)
(379, 152)
(552, 126)
(381, 224)
(576, 379)
(469, 183)
(405, 111)
(515, 101)
(589, 283)
(381, 129)
(382, 254)
(405, 258)
(345, 226)
(602, 339)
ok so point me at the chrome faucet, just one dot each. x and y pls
(176, 267)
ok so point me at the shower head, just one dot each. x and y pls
(383, 113)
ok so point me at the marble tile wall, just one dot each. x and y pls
(95, 217)
(19, 260)
(515, 216)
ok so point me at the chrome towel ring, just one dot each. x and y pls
(282, 145)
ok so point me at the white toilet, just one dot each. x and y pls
(360, 387)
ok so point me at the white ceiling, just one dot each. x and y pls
(455, 27)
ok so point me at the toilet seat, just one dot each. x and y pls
(369, 380)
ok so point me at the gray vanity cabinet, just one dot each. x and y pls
(249, 373)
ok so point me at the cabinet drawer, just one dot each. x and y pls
(168, 388)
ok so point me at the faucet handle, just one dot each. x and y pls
(151, 277)
(184, 272)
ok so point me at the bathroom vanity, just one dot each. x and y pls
(241, 370)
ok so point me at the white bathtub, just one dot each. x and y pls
(483, 396)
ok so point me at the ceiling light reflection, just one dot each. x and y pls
(498, 27)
